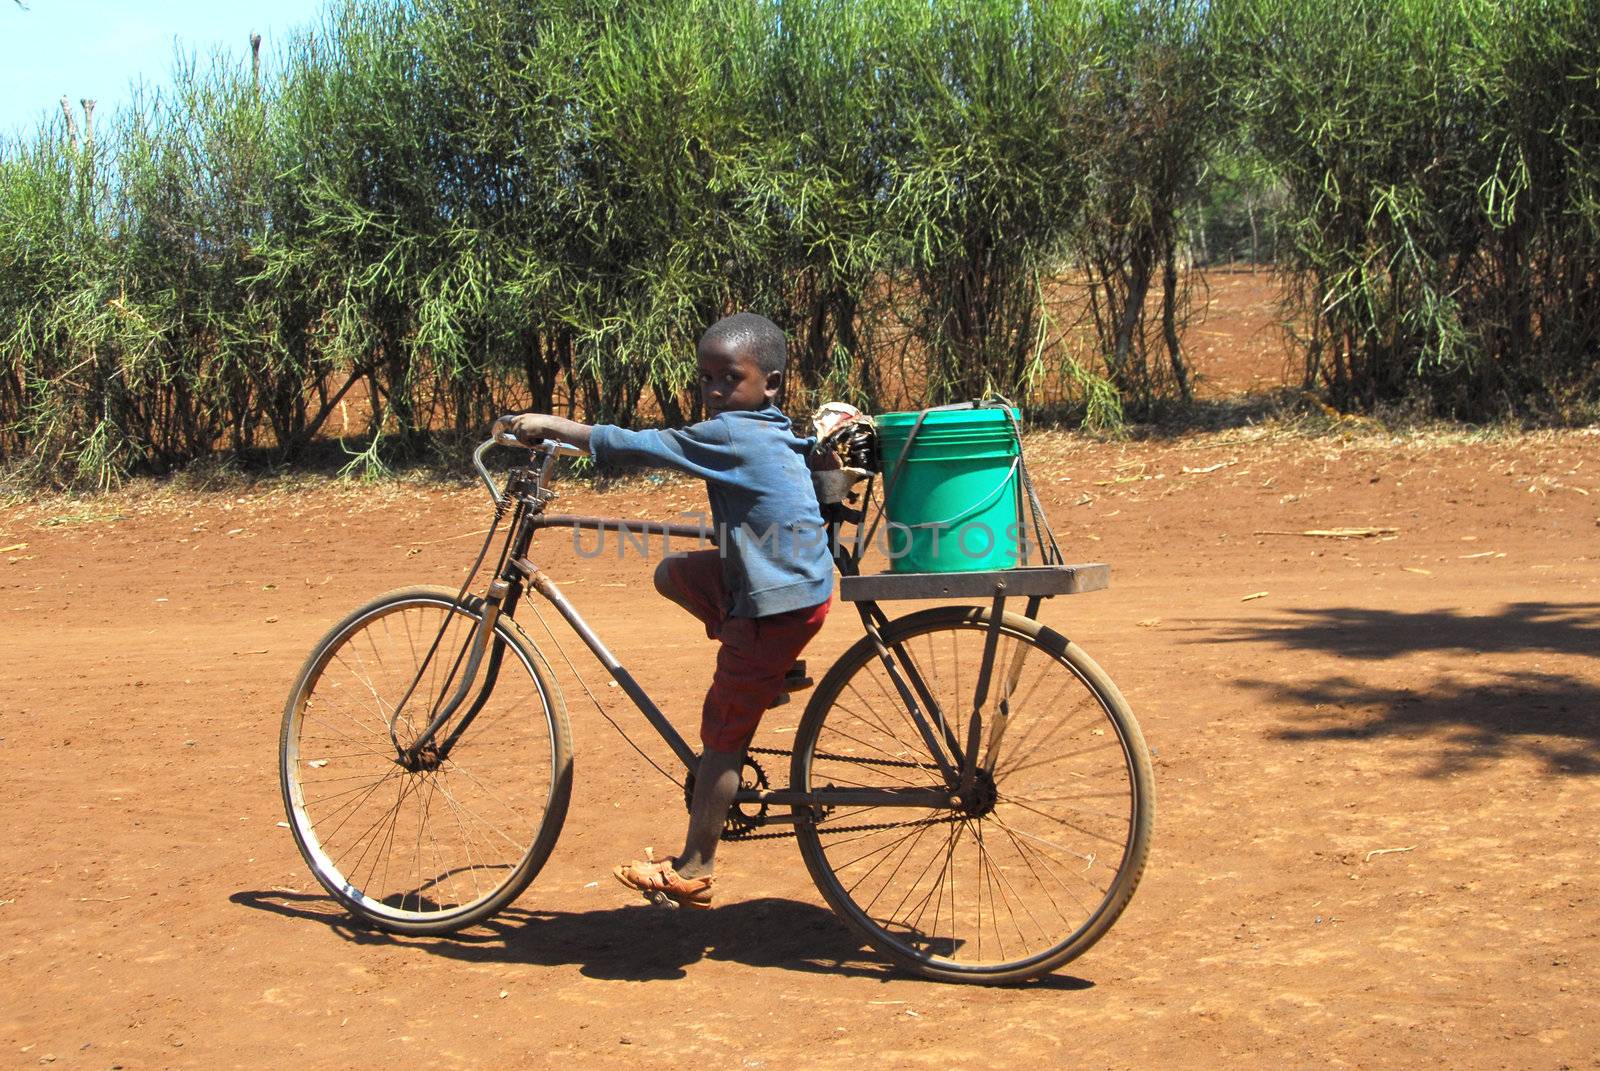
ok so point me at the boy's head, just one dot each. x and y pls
(741, 363)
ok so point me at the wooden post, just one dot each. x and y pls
(255, 59)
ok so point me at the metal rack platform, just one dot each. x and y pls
(1041, 581)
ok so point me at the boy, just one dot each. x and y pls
(763, 593)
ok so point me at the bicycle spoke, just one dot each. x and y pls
(888, 772)
(365, 678)
(848, 863)
(366, 786)
(467, 843)
(1012, 797)
(927, 698)
(1089, 860)
(352, 806)
(386, 856)
(1028, 861)
(993, 871)
(985, 882)
(1063, 822)
(915, 749)
(909, 842)
(330, 726)
(401, 718)
(1090, 750)
(1116, 793)
(937, 890)
(1028, 849)
(423, 800)
(363, 837)
(485, 823)
(334, 780)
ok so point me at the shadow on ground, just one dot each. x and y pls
(638, 944)
(1377, 635)
(1470, 717)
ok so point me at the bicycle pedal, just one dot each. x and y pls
(797, 679)
(661, 899)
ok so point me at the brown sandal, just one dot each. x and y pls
(662, 885)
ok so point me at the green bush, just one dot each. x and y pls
(1440, 163)
(443, 208)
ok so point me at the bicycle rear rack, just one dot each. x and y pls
(1029, 580)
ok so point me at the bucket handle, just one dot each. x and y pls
(984, 502)
(911, 437)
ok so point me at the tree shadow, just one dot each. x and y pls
(636, 944)
(1550, 717)
(1377, 635)
(1553, 717)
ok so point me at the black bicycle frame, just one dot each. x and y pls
(516, 572)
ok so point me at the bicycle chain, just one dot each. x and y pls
(861, 828)
(864, 828)
(897, 763)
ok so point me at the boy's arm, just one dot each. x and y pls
(531, 429)
(701, 450)
(704, 450)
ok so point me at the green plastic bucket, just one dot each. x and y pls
(952, 505)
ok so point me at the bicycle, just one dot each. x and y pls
(968, 789)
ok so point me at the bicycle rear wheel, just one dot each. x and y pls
(1048, 847)
(448, 843)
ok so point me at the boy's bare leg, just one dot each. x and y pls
(715, 782)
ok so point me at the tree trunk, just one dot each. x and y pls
(1169, 323)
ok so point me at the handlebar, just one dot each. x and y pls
(550, 447)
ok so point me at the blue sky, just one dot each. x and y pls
(99, 48)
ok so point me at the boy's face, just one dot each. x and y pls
(732, 381)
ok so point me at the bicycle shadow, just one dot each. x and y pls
(634, 944)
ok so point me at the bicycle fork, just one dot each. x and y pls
(418, 754)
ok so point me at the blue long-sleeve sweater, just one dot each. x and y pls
(768, 525)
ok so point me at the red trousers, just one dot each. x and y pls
(754, 655)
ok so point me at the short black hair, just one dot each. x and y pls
(745, 332)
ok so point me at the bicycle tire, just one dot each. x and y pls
(479, 833)
(856, 732)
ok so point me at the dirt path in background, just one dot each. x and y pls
(1235, 343)
(1437, 692)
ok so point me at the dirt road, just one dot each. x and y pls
(1377, 828)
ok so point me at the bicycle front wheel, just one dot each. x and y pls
(1047, 846)
(424, 847)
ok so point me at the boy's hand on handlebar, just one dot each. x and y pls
(531, 429)
(526, 429)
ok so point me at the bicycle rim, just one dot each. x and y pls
(1039, 867)
(432, 849)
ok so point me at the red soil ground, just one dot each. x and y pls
(1376, 835)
